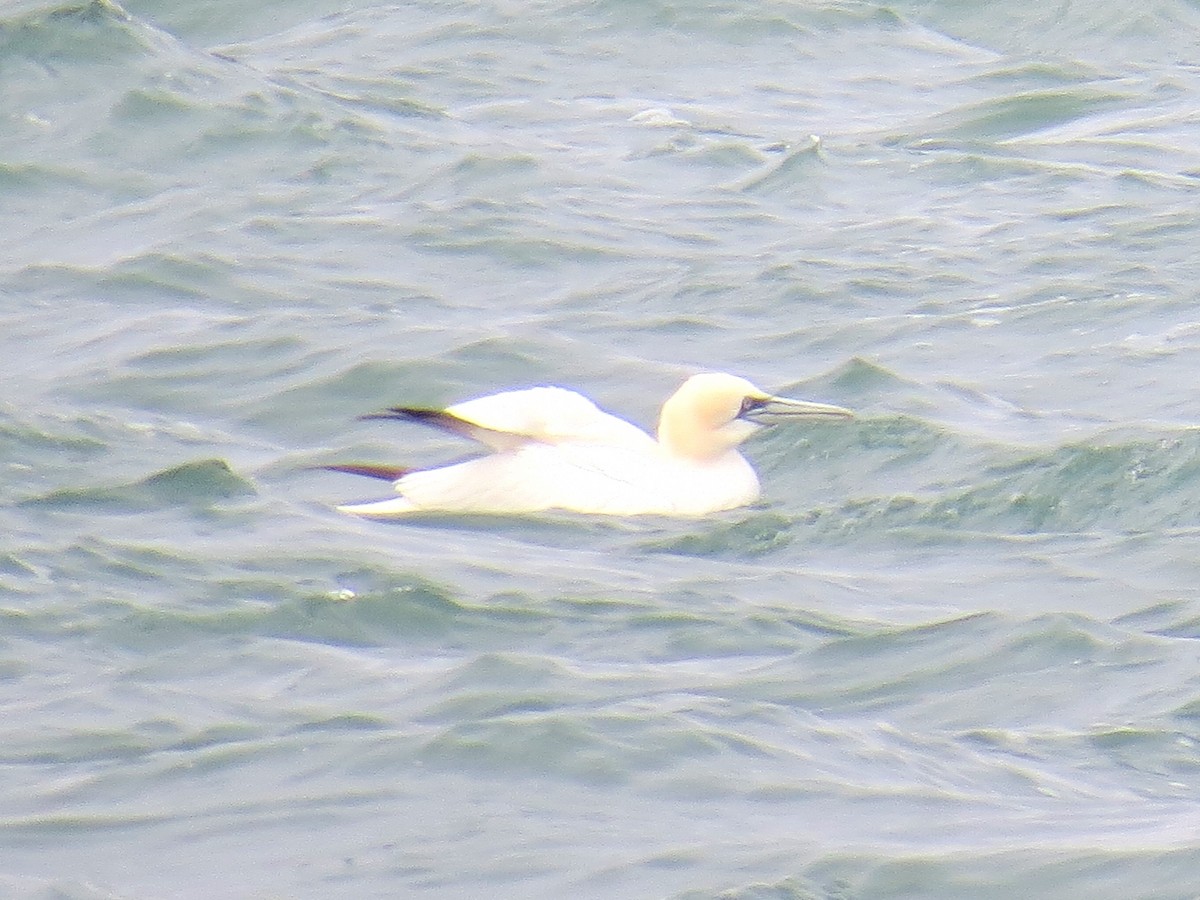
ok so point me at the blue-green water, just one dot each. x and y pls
(952, 653)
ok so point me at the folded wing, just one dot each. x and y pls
(547, 415)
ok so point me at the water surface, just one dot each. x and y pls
(951, 651)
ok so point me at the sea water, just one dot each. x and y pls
(951, 653)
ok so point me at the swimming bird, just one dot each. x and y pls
(554, 449)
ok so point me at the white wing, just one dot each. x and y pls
(551, 415)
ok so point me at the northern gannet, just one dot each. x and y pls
(554, 449)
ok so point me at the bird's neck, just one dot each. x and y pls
(690, 444)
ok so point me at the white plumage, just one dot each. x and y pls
(554, 449)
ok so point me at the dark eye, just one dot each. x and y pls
(750, 404)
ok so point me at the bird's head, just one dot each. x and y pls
(712, 413)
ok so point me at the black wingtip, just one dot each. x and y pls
(446, 421)
(407, 414)
(370, 470)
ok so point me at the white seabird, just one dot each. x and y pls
(554, 449)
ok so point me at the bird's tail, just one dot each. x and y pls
(381, 509)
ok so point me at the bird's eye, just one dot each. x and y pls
(750, 404)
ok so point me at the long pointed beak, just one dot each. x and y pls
(783, 409)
